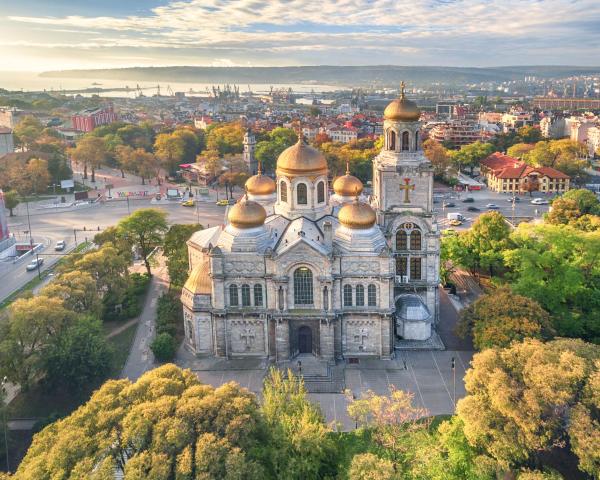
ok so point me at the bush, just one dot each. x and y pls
(131, 304)
(168, 314)
(163, 347)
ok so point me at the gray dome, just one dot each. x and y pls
(411, 308)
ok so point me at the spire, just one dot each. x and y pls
(402, 87)
(259, 170)
(347, 167)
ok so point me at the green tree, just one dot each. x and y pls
(225, 138)
(519, 399)
(519, 150)
(438, 156)
(565, 155)
(564, 211)
(367, 466)
(38, 174)
(77, 290)
(163, 347)
(78, 355)
(170, 149)
(587, 201)
(28, 131)
(267, 151)
(529, 134)
(144, 229)
(191, 143)
(175, 249)
(470, 155)
(11, 200)
(498, 318)
(90, 152)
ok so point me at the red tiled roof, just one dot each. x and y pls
(506, 167)
(551, 172)
(499, 161)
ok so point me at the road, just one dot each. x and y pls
(49, 226)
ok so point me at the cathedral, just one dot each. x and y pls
(300, 270)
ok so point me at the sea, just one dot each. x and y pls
(33, 82)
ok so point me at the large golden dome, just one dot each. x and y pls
(402, 109)
(247, 214)
(260, 184)
(199, 282)
(357, 215)
(347, 185)
(301, 159)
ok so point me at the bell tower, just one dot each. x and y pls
(248, 152)
(403, 199)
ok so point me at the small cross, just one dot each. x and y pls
(402, 86)
(361, 336)
(406, 187)
(248, 336)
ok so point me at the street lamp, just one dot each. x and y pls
(4, 408)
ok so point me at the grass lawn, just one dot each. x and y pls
(121, 344)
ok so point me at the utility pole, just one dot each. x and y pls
(29, 225)
(454, 382)
(37, 264)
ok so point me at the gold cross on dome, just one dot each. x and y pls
(402, 87)
(407, 187)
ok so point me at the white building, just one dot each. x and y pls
(593, 140)
(552, 127)
(342, 134)
(296, 271)
(248, 152)
(6, 141)
(10, 116)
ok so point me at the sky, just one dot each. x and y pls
(40, 35)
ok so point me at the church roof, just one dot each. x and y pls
(206, 237)
(302, 230)
(199, 281)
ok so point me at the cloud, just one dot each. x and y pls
(425, 31)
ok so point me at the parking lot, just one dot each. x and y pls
(481, 198)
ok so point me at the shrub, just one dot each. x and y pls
(163, 347)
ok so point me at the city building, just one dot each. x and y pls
(6, 141)
(507, 174)
(552, 127)
(342, 134)
(10, 116)
(577, 127)
(456, 132)
(515, 119)
(593, 140)
(297, 271)
(87, 120)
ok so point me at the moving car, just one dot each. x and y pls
(34, 264)
(539, 201)
(455, 216)
(222, 202)
(473, 209)
(492, 206)
(449, 205)
(188, 203)
(513, 199)
(468, 200)
(60, 246)
(455, 223)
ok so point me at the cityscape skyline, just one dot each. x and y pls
(35, 36)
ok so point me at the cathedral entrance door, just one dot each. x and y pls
(304, 340)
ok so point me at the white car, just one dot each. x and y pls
(492, 206)
(539, 201)
(34, 264)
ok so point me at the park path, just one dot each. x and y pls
(140, 358)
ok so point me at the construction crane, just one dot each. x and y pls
(170, 91)
(139, 90)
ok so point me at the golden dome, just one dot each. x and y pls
(199, 282)
(357, 215)
(260, 184)
(402, 109)
(347, 185)
(301, 159)
(246, 214)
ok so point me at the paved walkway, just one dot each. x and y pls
(140, 358)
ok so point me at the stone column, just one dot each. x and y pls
(282, 339)
(387, 338)
(326, 336)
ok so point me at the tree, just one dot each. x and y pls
(225, 138)
(519, 150)
(564, 155)
(144, 229)
(28, 131)
(368, 466)
(519, 399)
(498, 318)
(564, 211)
(166, 425)
(11, 200)
(470, 155)
(77, 290)
(170, 149)
(191, 143)
(31, 325)
(163, 347)
(78, 355)
(438, 156)
(37, 172)
(587, 201)
(529, 134)
(89, 152)
(175, 250)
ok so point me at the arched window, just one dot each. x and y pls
(320, 192)
(245, 295)
(347, 295)
(401, 240)
(360, 296)
(301, 194)
(233, 295)
(303, 286)
(258, 296)
(372, 295)
(405, 141)
(415, 239)
(391, 140)
(401, 266)
(283, 191)
(415, 268)
(325, 298)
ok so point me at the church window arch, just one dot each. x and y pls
(258, 295)
(321, 192)
(401, 240)
(325, 298)
(347, 295)
(415, 239)
(302, 194)
(233, 295)
(360, 296)
(372, 295)
(245, 295)
(405, 141)
(303, 286)
(415, 268)
(283, 191)
(391, 140)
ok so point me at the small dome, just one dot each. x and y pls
(260, 184)
(199, 282)
(357, 215)
(301, 159)
(402, 109)
(347, 185)
(247, 214)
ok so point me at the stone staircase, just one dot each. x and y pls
(319, 375)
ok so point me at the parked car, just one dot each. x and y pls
(468, 200)
(449, 205)
(38, 262)
(492, 206)
(455, 223)
(473, 209)
(539, 201)
(60, 245)
(513, 199)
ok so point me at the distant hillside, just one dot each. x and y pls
(323, 74)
